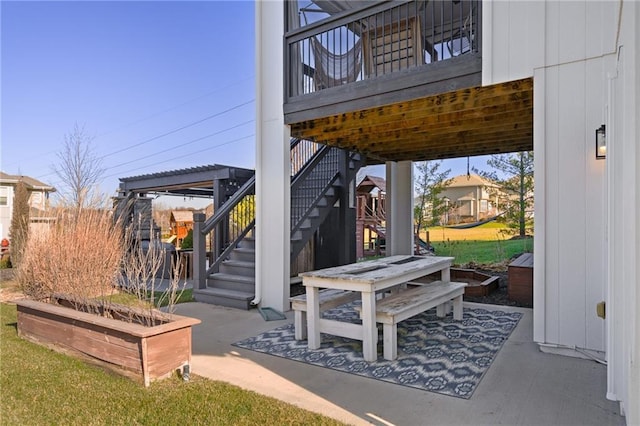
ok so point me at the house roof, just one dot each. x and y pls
(194, 181)
(182, 215)
(32, 183)
(471, 180)
(368, 183)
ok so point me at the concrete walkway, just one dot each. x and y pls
(523, 386)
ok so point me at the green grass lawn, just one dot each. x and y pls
(482, 252)
(40, 387)
(159, 297)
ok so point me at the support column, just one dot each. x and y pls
(399, 205)
(199, 252)
(345, 228)
(273, 199)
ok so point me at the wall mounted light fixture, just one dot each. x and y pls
(601, 143)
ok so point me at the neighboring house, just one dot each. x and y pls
(38, 201)
(180, 223)
(470, 198)
(455, 89)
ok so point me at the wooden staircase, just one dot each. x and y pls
(314, 191)
(234, 285)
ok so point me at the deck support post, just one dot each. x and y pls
(199, 252)
(399, 233)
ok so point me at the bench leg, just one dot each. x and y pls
(457, 308)
(300, 325)
(313, 318)
(441, 310)
(390, 341)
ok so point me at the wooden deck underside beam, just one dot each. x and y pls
(471, 121)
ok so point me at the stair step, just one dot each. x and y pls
(247, 243)
(238, 267)
(224, 297)
(243, 254)
(231, 282)
(243, 279)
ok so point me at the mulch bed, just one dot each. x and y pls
(498, 297)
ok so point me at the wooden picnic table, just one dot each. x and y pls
(366, 277)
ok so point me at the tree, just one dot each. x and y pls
(430, 182)
(517, 184)
(79, 169)
(19, 232)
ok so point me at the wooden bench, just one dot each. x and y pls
(329, 298)
(520, 282)
(406, 304)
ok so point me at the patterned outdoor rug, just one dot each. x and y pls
(434, 354)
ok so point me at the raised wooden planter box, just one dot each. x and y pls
(478, 284)
(520, 287)
(141, 352)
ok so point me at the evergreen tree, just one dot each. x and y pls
(19, 231)
(517, 184)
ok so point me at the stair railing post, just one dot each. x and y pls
(199, 252)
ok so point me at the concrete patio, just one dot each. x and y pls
(523, 386)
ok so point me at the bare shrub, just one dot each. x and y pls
(79, 255)
(86, 257)
(147, 264)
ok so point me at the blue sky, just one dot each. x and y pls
(159, 85)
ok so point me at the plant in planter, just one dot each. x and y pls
(71, 274)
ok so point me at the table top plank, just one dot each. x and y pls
(379, 270)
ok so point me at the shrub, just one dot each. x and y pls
(87, 258)
(5, 263)
(144, 262)
(187, 242)
(79, 255)
(19, 230)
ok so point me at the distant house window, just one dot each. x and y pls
(36, 198)
(484, 206)
(3, 200)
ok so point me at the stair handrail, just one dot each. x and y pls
(309, 166)
(237, 196)
(319, 195)
(338, 168)
(315, 154)
(227, 206)
(227, 251)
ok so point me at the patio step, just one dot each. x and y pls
(247, 243)
(232, 282)
(238, 267)
(243, 254)
(224, 297)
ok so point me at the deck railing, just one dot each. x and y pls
(378, 39)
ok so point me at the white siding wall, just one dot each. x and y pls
(586, 210)
(6, 211)
(624, 219)
(562, 45)
(570, 200)
(520, 36)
